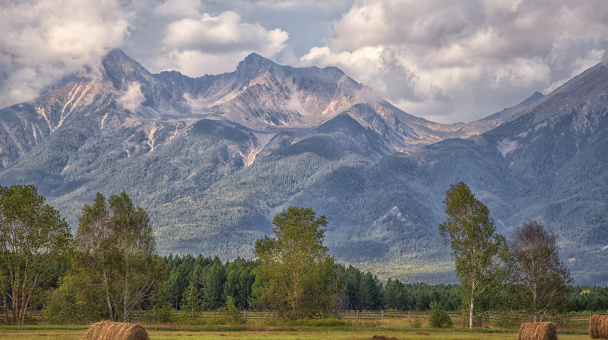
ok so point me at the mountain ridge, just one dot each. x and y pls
(214, 158)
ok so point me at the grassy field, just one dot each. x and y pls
(366, 327)
(308, 333)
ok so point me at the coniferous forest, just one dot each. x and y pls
(109, 269)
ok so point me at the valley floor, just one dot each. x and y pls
(358, 334)
(574, 328)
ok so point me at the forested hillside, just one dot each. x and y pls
(213, 159)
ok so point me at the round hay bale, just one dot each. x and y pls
(538, 331)
(107, 330)
(598, 327)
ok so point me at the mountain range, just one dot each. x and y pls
(214, 158)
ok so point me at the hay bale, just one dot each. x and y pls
(538, 331)
(598, 327)
(107, 330)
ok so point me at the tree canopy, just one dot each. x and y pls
(114, 262)
(32, 237)
(476, 248)
(295, 267)
(539, 278)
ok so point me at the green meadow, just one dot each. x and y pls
(368, 327)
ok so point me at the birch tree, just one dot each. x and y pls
(539, 277)
(475, 246)
(32, 237)
(114, 244)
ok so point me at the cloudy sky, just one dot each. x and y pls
(445, 60)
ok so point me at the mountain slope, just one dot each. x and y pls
(548, 163)
(213, 159)
(177, 143)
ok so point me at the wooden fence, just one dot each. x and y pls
(496, 319)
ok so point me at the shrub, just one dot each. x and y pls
(415, 322)
(232, 312)
(162, 313)
(439, 318)
(507, 320)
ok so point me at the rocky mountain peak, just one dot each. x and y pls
(121, 70)
(533, 98)
(254, 65)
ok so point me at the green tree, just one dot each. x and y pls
(33, 237)
(370, 292)
(396, 295)
(239, 281)
(295, 266)
(177, 282)
(115, 246)
(352, 281)
(538, 276)
(476, 248)
(232, 312)
(192, 301)
(213, 279)
(438, 317)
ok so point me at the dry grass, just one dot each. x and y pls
(106, 330)
(538, 331)
(161, 332)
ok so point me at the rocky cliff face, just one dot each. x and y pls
(260, 95)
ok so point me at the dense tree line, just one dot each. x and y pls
(358, 290)
(195, 284)
(110, 269)
(585, 298)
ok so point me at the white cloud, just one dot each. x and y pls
(444, 60)
(133, 97)
(215, 44)
(179, 8)
(224, 34)
(305, 20)
(42, 41)
(462, 60)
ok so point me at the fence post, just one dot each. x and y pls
(357, 314)
(383, 314)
